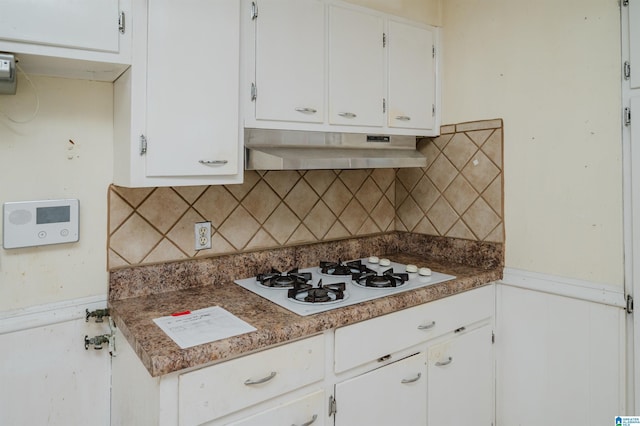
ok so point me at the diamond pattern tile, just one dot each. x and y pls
(454, 196)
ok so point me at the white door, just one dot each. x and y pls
(290, 49)
(460, 378)
(193, 68)
(356, 68)
(391, 395)
(412, 76)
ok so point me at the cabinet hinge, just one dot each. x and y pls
(629, 308)
(433, 51)
(493, 337)
(121, 23)
(333, 407)
(143, 144)
(384, 105)
(627, 116)
(254, 10)
(384, 40)
(625, 2)
(433, 110)
(254, 92)
(627, 70)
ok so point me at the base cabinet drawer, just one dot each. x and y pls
(308, 410)
(212, 392)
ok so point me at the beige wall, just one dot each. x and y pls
(34, 165)
(551, 70)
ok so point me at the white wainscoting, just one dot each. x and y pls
(560, 351)
(47, 377)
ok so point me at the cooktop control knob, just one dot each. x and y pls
(425, 272)
(374, 259)
(385, 262)
(412, 269)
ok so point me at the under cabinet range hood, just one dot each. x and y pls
(303, 150)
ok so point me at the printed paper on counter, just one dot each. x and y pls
(203, 326)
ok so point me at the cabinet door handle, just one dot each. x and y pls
(213, 162)
(413, 379)
(250, 382)
(306, 110)
(347, 114)
(403, 118)
(313, 419)
(443, 363)
(427, 326)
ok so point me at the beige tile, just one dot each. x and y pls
(114, 261)
(119, 211)
(478, 125)
(493, 147)
(481, 219)
(182, 233)
(337, 197)
(216, 204)
(337, 231)
(401, 194)
(399, 226)
(369, 194)
(353, 217)
(282, 180)
(460, 230)
(497, 235)
(133, 196)
(239, 228)
(425, 227)
(409, 213)
(383, 214)
(301, 199)
(166, 251)
(190, 193)
(384, 178)
(442, 173)
(449, 128)
(261, 201)
(441, 141)
(425, 194)
(261, 240)
(479, 136)
(320, 180)
(480, 171)
(460, 194)
(353, 179)
(442, 216)
(251, 178)
(282, 223)
(429, 149)
(408, 177)
(302, 235)
(320, 220)
(493, 195)
(163, 208)
(391, 194)
(134, 239)
(368, 227)
(460, 150)
(221, 246)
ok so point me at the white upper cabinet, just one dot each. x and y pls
(412, 76)
(634, 43)
(289, 60)
(356, 67)
(92, 31)
(177, 108)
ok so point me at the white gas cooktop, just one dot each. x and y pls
(353, 292)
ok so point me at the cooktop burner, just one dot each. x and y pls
(277, 279)
(308, 291)
(387, 279)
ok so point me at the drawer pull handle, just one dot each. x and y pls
(347, 114)
(443, 363)
(427, 326)
(250, 382)
(411, 380)
(306, 110)
(459, 330)
(384, 358)
(403, 118)
(213, 162)
(313, 419)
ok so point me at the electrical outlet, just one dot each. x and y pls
(202, 233)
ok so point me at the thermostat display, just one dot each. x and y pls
(37, 223)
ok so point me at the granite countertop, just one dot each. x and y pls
(275, 325)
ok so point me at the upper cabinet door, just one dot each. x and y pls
(192, 87)
(634, 42)
(91, 25)
(356, 67)
(412, 76)
(290, 58)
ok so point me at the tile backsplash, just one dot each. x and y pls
(458, 194)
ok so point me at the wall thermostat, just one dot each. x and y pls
(39, 223)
